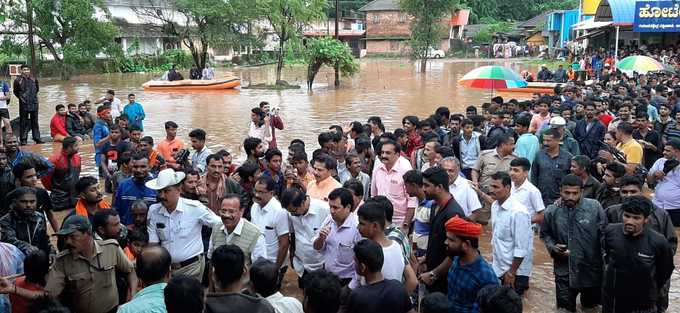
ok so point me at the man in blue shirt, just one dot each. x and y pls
(134, 188)
(135, 112)
(100, 131)
(153, 269)
(469, 271)
(15, 156)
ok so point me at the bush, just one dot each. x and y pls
(149, 63)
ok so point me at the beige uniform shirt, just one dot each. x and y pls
(489, 163)
(89, 285)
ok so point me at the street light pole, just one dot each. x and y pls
(337, 36)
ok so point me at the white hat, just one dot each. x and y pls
(166, 178)
(555, 121)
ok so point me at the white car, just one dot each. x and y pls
(436, 53)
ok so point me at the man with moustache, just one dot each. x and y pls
(589, 132)
(469, 271)
(636, 256)
(134, 188)
(435, 263)
(24, 227)
(271, 219)
(387, 180)
(192, 178)
(571, 233)
(235, 230)
(175, 223)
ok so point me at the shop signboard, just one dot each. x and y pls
(657, 16)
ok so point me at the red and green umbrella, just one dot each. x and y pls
(492, 77)
(640, 64)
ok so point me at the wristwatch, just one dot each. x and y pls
(433, 275)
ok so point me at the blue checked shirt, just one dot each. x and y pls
(465, 281)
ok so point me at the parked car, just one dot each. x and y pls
(436, 53)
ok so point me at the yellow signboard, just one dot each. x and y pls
(590, 6)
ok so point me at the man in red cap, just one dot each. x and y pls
(469, 271)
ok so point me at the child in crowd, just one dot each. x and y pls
(137, 240)
(36, 266)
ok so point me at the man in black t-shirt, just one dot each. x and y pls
(436, 265)
(379, 295)
(111, 152)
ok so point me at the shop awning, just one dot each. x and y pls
(596, 33)
(590, 24)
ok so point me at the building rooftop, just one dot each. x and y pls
(381, 5)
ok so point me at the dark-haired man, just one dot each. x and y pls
(25, 176)
(134, 188)
(24, 227)
(274, 159)
(15, 156)
(636, 256)
(214, 185)
(306, 216)
(62, 180)
(608, 193)
(337, 236)
(550, 165)
(201, 151)
(323, 183)
(265, 280)
(112, 150)
(436, 262)
(321, 292)
(387, 180)
(26, 89)
(580, 166)
(666, 176)
(379, 294)
(571, 233)
(153, 271)
(512, 239)
(271, 219)
(229, 273)
(469, 271)
(170, 145)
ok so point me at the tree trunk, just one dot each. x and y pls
(423, 64)
(312, 70)
(279, 62)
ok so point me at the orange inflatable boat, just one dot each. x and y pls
(227, 82)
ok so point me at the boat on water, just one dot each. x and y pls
(534, 87)
(222, 83)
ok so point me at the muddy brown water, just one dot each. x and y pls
(387, 88)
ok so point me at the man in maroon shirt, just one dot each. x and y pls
(276, 121)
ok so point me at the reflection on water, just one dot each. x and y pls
(387, 88)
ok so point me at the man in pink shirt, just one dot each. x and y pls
(388, 181)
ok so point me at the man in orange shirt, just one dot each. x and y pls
(170, 145)
(324, 183)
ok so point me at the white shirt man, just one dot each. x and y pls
(528, 195)
(305, 228)
(260, 250)
(511, 237)
(283, 304)
(180, 231)
(272, 220)
(465, 196)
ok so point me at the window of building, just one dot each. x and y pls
(376, 19)
(394, 45)
(402, 18)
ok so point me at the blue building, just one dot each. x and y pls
(558, 27)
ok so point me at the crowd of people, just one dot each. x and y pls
(372, 221)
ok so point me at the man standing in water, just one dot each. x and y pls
(26, 90)
(571, 232)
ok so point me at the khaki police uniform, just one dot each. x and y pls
(89, 286)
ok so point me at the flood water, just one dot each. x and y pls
(387, 88)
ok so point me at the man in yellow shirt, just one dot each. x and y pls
(628, 146)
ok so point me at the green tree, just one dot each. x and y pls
(426, 30)
(330, 52)
(201, 24)
(287, 19)
(70, 30)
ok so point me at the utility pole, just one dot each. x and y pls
(337, 36)
(29, 20)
